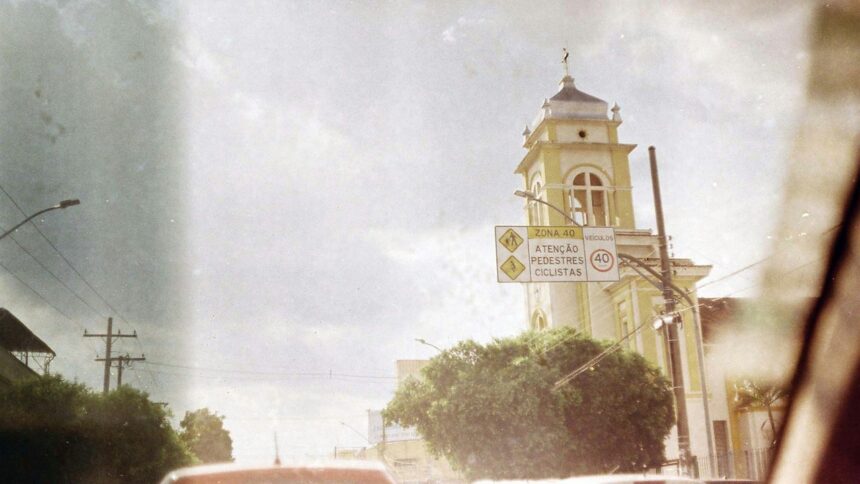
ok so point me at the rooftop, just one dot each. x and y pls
(15, 336)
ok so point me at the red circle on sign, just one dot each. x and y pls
(604, 258)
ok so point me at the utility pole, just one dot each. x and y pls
(122, 362)
(109, 359)
(671, 330)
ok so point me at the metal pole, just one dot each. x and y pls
(119, 373)
(63, 204)
(700, 352)
(31, 217)
(671, 329)
(108, 342)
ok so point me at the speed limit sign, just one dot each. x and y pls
(602, 260)
(600, 253)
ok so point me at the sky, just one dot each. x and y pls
(280, 197)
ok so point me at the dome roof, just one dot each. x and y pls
(571, 103)
(569, 92)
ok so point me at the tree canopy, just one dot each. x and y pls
(52, 430)
(204, 433)
(491, 410)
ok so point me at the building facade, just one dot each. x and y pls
(576, 162)
(403, 450)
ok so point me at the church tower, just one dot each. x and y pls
(575, 162)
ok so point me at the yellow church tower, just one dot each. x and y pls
(575, 162)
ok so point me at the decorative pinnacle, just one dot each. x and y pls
(527, 131)
(616, 112)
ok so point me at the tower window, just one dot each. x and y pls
(538, 321)
(589, 200)
(535, 212)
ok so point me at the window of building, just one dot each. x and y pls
(589, 200)
(535, 209)
(624, 323)
(538, 321)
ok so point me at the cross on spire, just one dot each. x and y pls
(565, 55)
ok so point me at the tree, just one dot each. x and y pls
(491, 410)
(136, 441)
(52, 430)
(750, 394)
(204, 433)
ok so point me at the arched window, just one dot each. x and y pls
(589, 200)
(538, 321)
(535, 210)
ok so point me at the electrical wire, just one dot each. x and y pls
(270, 377)
(78, 273)
(272, 373)
(53, 275)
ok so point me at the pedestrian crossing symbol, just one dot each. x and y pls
(512, 267)
(511, 240)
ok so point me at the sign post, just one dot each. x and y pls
(556, 254)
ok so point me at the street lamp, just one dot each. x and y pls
(63, 204)
(533, 198)
(429, 344)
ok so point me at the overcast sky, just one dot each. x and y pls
(281, 196)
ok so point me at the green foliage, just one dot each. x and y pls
(203, 432)
(492, 411)
(55, 431)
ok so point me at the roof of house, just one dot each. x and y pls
(15, 336)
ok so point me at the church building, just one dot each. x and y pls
(575, 162)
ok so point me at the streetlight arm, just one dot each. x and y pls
(639, 262)
(641, 273)
(420, 340)
(531, 197)
(63, 204)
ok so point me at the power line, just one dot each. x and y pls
(57, 250)
(49, 271)
(76, 271)
(760, 261)
(273, 373)
(40, 296)
(263, 378)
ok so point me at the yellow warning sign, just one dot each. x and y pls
(511, 240)
(512, 267)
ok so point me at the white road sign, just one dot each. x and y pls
(556, 254)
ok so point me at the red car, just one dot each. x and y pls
(340, 472)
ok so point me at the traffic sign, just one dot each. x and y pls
(556, 254)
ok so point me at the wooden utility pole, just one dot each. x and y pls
(109, 337)
(671, 329)
(122, 361)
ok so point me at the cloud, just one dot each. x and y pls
(454, 270)
(459, 29)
